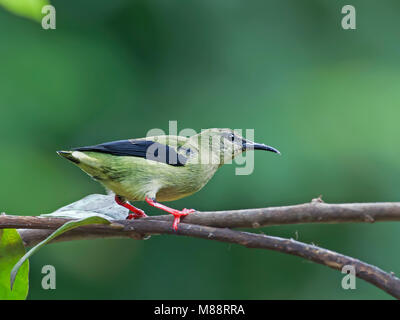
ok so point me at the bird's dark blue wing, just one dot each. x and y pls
(149, 150)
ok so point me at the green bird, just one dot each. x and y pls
(160, 168)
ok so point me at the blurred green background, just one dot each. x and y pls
(327, 98)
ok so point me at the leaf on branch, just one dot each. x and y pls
(99, 205)
(11, 250)
(26, 8)
(64, 228)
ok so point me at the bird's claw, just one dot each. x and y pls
(187, 211)
(134, 213)
(136, 216)
(178, 214)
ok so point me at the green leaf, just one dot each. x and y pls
(11, 250)
(92, 205)
(64, 228)
(27, 8)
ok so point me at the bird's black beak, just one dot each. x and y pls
(249, 145)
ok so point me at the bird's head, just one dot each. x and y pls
(225, 144)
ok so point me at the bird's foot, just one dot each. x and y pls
(137, 213)
(187, 211)
(135, 216)
(176, 213)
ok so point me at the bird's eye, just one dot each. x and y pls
(232, 137)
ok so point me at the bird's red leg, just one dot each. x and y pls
(176, 213)
(137, 213)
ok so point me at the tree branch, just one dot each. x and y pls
(313, 212)
(36, 229)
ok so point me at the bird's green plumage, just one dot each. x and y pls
(135, 178)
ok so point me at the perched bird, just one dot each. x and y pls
(160, 168)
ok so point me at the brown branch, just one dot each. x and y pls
(37, 228)
(386, 281)
(313, 212)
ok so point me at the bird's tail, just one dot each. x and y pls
(86, 162)
(69, 156)
(82, 159)
(92, 163)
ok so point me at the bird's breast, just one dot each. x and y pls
(139, 178)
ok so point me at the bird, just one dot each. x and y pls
(160, 168)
